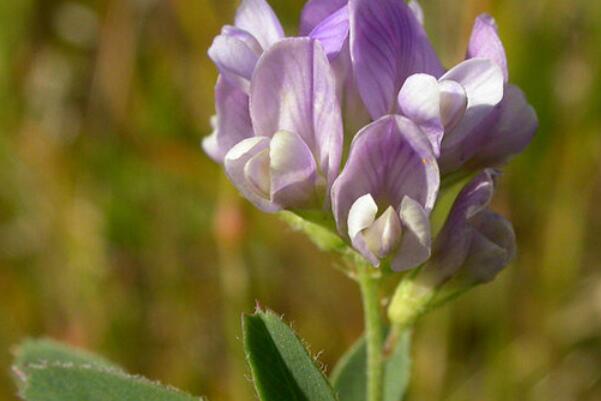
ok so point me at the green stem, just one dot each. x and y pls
(373, 332)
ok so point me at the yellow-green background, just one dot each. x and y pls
(118, 234)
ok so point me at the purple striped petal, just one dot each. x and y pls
(482, 81)
(257, 18)
(332, 32)
(512, 131)
(232, 123)
(315, 11)
(294, 90)
(388, 44)
(492, 248)
(235, 53)
(485, 43)
(389, 159)
(452, 244)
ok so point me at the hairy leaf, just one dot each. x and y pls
(49, 371)
(281, 366)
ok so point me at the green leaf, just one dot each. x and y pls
(46, 350)
(49, 371)
(70, 382)
(349, 376)
(281, 367)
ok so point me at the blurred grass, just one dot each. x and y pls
(118, 234)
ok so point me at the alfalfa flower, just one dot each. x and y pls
(383, 197)
(473, 246)
(237, 49)
(474, 242)
(292, 154)
(279, 124)
(236, 52)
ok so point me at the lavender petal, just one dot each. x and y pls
(389, 159)
(417, 241)
(419, 100)
(482, 81)
(485, 43)
(452, 246)
(388, 44)
(315, 11)
(332, 32)
(512, 131)
(232, 123)
(294, 89)
(257, 18)
(235, 53)
(492, 248)
(293, 171)
(245, 165)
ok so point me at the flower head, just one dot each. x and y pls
(367, 69)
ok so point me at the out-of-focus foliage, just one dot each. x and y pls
(118, 234)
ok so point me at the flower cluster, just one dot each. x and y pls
(363, 80)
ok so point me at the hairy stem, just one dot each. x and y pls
(373, 332)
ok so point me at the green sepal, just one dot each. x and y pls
(414, 297)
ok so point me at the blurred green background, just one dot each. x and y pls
(118, 234)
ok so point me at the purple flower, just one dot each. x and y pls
(236, 52)
(293, 154)
(384, 195)
(451, 108)
(492, 134)
(278, 129)
(237, 49)
(474, 242)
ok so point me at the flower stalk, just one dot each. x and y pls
(369, 285)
